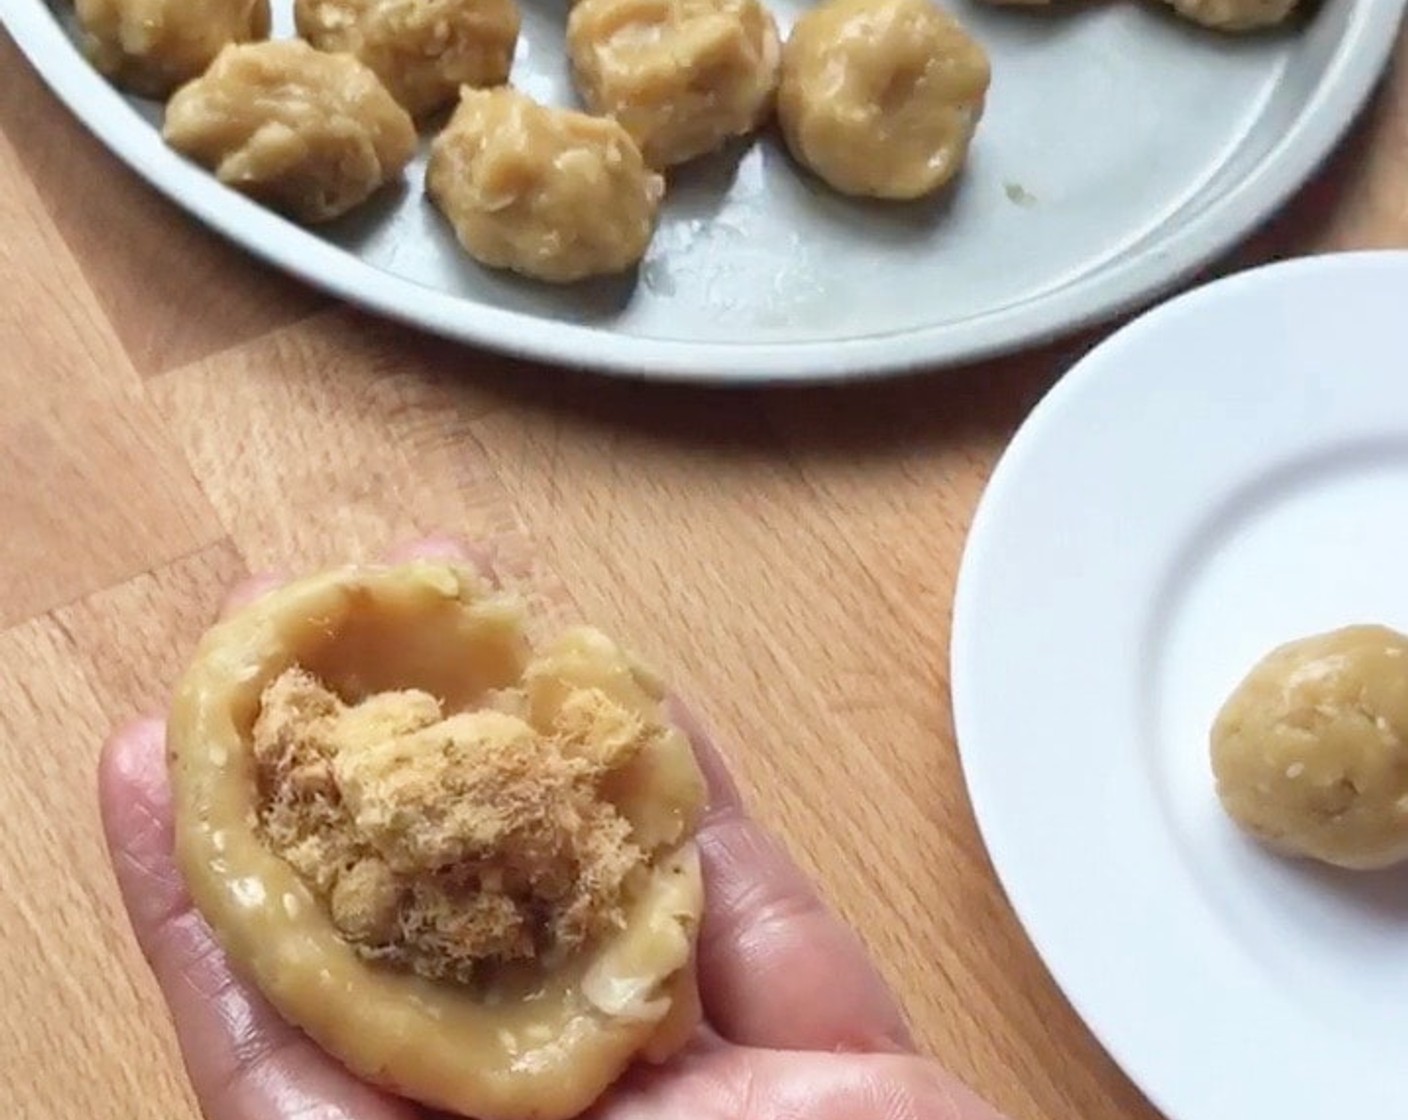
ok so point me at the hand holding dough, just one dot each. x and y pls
(464, 867)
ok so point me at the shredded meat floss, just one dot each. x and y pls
(449, 844)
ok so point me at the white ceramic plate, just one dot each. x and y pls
(1119, 151)
(1228, 472)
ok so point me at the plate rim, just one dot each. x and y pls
(979, 780)
(1363, 52)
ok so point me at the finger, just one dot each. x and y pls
(247, 591)
(741, 1083)
(244, 1061)
(724, 794)
(440, 547)
(777, 968)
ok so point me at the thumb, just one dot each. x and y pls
(741, 1083)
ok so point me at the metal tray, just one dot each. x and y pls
(1120, 151)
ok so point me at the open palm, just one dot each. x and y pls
(799, 1025)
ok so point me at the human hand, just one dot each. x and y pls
(799, 1025)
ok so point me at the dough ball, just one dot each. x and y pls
(881, 97)
(1235, 15)
(309, 134)
(1311, 750)
(422, 50)
(549, 193)
(681, 76)
(152, 46)
(460, 861)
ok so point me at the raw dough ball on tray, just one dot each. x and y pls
(681, 76)
(422, 50)
(881, 97)
(549, 193)
(152, 46)
(309, 134)
(1235, 15)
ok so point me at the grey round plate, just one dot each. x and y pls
(1120, 151)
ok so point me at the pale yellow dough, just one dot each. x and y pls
(1310, 752)
(309, 134)
(153, 46)
(422, 50)
(881, 97)
(550, 193)
(361, 734)
(681, 76)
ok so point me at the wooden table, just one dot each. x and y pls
(176, 416)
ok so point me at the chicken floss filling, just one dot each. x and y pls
(450, 845)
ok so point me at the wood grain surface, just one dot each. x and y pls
(176, 416)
